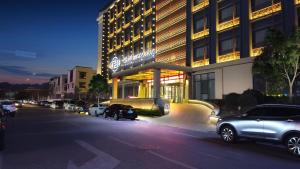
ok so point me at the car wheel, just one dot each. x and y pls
(105, 115)
(293, 144)
(116, 116)
(228, 134)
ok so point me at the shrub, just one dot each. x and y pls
(231, 102)
(151, 113)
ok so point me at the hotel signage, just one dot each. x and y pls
(129, 61)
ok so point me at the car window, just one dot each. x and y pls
(281, 112)
(255, 112)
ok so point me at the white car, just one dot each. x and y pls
(69, 106)
(10, 107)
(97, 109)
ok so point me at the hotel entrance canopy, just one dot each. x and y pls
(142, 72)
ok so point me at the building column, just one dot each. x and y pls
(245, 29)
(186, 87)
(123, 91)
(213, 40)
(156, 83)
(289, 16)
(115, 88)
(142, 88)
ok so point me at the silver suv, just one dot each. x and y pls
(279, 123)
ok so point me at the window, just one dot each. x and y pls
(228, 10)
(71, 76)
(260, 29)
(111, 28)
(204, 86)
(200, 52)
(119, 23)
(255, 112)
(200, 22)
(127, 51)
(127, 34)
(111, 44)
(260, 4)
(137, 10)
(229, 42)
(127, 2)
(119, 7)
(197, 2)
(148, 43)
(137, 48)
(127, 17)
(119, 39)
(148, 23)
(82, 75)
(137, 29)
(82, 85)
(283, 112)
(148, 4)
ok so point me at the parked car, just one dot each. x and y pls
(81, 107)
(44, 103)
(97, 109)
(276, 123)
(57, 105)
(9, 107)
(118, 111)
(18, 104)
(69, 105)
(2, 128)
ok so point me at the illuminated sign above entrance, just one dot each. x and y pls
(130, 61)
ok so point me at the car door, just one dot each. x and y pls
(250, 124)
(277, 120)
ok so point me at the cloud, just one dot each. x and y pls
(21, 71)
(18, 54)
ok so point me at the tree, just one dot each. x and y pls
(98, 86)
(279, 61)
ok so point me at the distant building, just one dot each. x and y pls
(78, 81)
(58, 87)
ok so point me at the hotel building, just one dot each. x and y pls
(187, 49)
(58, 87)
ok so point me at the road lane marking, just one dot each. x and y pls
(171, 160)
(154, 153)
(101, 161)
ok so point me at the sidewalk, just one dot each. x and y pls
(186, 116)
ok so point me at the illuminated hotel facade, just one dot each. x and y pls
(187, 49)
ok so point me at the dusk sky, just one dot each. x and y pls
(43, 38)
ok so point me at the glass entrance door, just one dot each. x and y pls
(172, 92)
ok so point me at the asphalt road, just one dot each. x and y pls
(40, 138)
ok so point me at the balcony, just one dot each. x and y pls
(200, 63)
(171, 22)
(201, 34)
(126, 25)
(297, 2)
(163, 4)
(126, 43)
(256, 52)
(228, 57)
(136, 1)
(170, 59)
(148, 12)
(147, 32)
(266, 11)
(228, 24)
(163, 14)
(171, 34)
(200, 6)
(136, 38)
(137, 19)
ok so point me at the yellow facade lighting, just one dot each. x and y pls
(111, 35)
(127, 8)
(118, 47)
(110, 51)
(126, 25)
(200, 6)
(148, 12)
(136, 38)
(119, 15)
(256, 52)
(137, 19)
(126, 43)
(119, 30)
(228, 57)
(201, 34)
(147, 32)
(111, 20)
(266, 11)
(200, 63)
(297, 2)
(136, 1)
(228, 24)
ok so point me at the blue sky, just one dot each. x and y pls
(42, 38)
